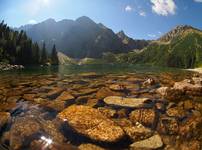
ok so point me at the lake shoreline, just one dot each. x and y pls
(198, 70)
(7, 67)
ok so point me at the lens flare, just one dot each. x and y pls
(47, 141)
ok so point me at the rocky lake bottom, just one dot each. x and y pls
(97, 111)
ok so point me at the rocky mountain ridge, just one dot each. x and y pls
(80, 38)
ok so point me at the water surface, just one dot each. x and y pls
(30, 96)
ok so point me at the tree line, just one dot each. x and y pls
(17, 48)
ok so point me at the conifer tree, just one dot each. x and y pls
(17, 48)
(54, 57)
(44, 57)
(36, 53)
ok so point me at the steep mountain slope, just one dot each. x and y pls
(181, 47)
(80, 38)
(65, 60)
(130, 43)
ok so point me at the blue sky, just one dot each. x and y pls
(140, 19)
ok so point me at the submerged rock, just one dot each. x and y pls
(4, 119)
(42, 145)
(138, 132)
(28, 128)
(29, 97)
(21, 130)
(189, 88)
(90, 147)
(147, 117)
(8, 106)
(149, 82)
(92, 124)
(104, 92)
(86, 91)
(65, 96)
(191, 127)
(176, 112)
(188, 105)
(126, 102)
(170, 94)
(197, 80)
(191, 145)
(56, 105)
(13, 98)
(54, 93)
(168, 126)
(109, 113)
(153, 142)
(117, 87)
(92, 102)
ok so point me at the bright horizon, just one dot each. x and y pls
(139, 19)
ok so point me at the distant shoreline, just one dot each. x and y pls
(199, 70)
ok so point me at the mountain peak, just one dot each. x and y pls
(102, 25)
(183, 27)
(121, 34)
(50, 20)
(84, 19)
(178, 30)
(81, 38)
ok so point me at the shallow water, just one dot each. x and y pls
(31, 98)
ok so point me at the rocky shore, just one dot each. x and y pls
(6, 67)
(102, 112)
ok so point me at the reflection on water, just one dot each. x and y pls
(39, 108)
(101, 69)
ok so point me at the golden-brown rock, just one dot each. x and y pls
(147, 117)
(153, 142)
(65, 96)
(4, 118)
(104, 92)
(90, 147)
(126, 102)
(91, 123)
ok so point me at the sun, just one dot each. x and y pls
(44, 2)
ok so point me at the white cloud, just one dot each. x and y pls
(159, 32)
(151, 35)
(32, 21)
(199, 1)
(142, 13)
(163, 7)
(128, 8)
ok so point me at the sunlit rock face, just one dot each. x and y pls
(91, 123)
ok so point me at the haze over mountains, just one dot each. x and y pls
(81, 38)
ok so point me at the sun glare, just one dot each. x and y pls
(46, 1)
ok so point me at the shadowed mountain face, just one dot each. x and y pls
(131, 43)
(80, 38)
